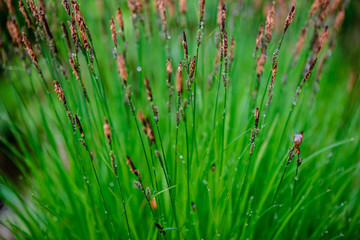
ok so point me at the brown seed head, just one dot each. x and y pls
(321, 41)
(308, 73)
(138, 185)
(182, 6)
(121, 67)
(73, 30)
(315, 7)
(65, 3)
(225, 44)
(202, 8)
(107, 130)
(162, 11)
(74, 68)
(30, 50)
(298, 138)
(259, 37)
(138, 6)
(192, 68)
(10, 6)
(324, 9)
(34, 9)
(256, 116)
(184, 43)
(113, 31)
(148, 89)
(335, 5)
(273, 74)
(79, 126)
(58, 89)
(14, 31)
(119, 19)
(289, 18)
(132, 6)
(168, 67)
(179, 79)
(260, 64)
(45, 24)
(66, 34)
(25, 14)
(219, 13)
(300, 41)
(269, 24)
(132, 167)
(339, 18)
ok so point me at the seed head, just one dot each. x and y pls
(121, 67)
(192, 68)
(34, 9)
(79, 126)
(273, 74)
(58, 89)
(148, 89)
(289, 18)
(138, 185)
(260, 65)
(65, 3)
(256, 116)
(113, 31)
(148, 193)
(339, 18)
(182, 6)
(321, 41)
(30, 50)
(315, 7)
(184, 43)
(133, 168)
(179, 79)
(25, 14)
(259, 37)
(10, 6)
(219, 13)
(73, 31)
(107, 130)
(14, 31)
(300, 41)
(225, 44)
(119, 19)
(269, 24)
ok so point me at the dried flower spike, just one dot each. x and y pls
(30, 51)
(259, 37)
(269, 24)
(14, 31)
(119, 19)
(179, 79)
(182, 6)
(113, 31)
(148, 89)
(289, 18)
(107, 130)
(79, 126)
(121, 67)
(133, 168)
(192, 68)
(25, 14)
(65, 3)
(184, 43)
(58, 89)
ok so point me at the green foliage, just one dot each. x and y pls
(214, 176)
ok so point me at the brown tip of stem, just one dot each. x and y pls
(107, 130)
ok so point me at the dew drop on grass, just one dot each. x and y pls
(181, 156)
(296, 178)
(342, 204)
(138, 69)
(105, 212)
(205, 182)
(111, 184)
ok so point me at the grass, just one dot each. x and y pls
(208, 160)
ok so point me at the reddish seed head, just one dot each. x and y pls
(289, 18)
(119, 19)
(179, 79)
(269, 24)
(153, 204)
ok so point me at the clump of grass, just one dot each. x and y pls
(204, 154)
